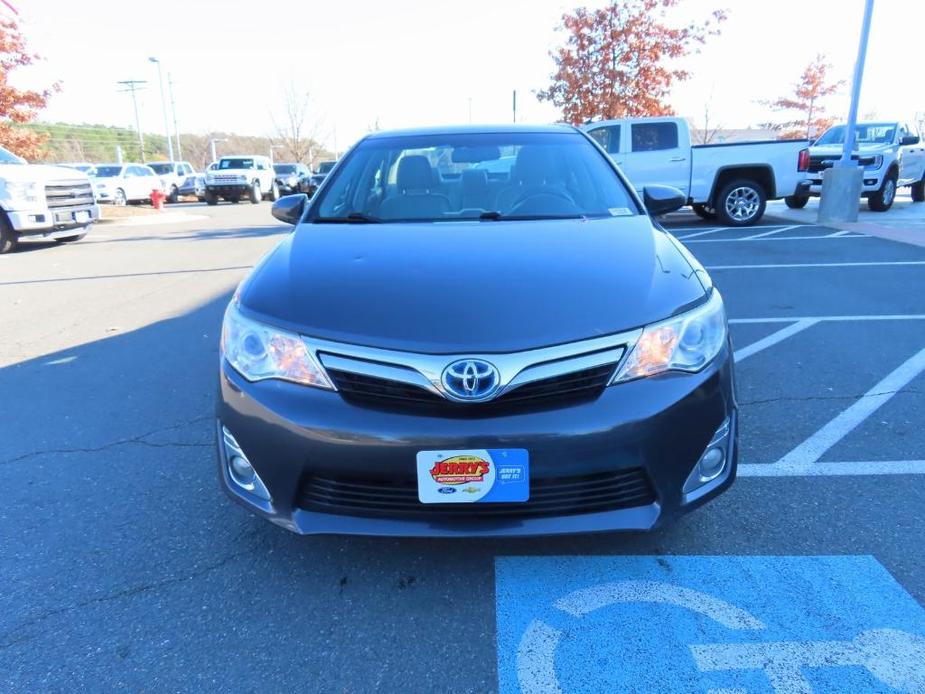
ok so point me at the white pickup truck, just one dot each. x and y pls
(43, 202)
(727, 182)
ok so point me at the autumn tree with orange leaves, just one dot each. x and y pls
(18, 105)
(621, 60)
(808, 94)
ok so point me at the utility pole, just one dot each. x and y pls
(133, 87)
(842, 183)
(173, 109)
(160, 79)
(212, 145)
(515, 105)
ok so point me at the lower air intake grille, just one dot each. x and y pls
(554, 496)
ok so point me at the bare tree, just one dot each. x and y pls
(296, 127)
(706, 134)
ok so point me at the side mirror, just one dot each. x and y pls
(289, 208)
(661, 200)
(909, 140)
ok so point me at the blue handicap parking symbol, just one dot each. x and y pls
(719, 625)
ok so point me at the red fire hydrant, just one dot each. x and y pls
(157, 199)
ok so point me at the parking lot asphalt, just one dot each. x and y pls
(125, 567)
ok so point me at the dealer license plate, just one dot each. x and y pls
(473, 476)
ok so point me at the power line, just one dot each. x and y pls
(133, 87)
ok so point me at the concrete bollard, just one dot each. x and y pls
(841, 194)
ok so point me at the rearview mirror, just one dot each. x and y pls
(289, 208)
(909, 140)
(661, 200)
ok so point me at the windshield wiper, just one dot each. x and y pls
(352, 218)
(495, 216)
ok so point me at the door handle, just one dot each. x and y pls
(678, 159)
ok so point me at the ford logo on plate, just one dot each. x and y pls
(471, 379)
(447, 490)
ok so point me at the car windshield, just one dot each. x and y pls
(488, 176)
(162, 168)
(236, 164)
(326, 166)
(865, 134)
(108, 171)
(7, 157)
(284, 168)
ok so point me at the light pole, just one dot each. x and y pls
(160, 79)
(842, 183)
(272, 147)
(212, 142)
(173, 110)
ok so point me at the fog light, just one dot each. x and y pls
(240, 470)
(712, 463)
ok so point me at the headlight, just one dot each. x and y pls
(684, 343)
(874, 162)
(260, 352)
(24, 192)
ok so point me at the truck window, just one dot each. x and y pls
(607, 137)
(649, 137)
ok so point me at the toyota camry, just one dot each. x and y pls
(476, 331)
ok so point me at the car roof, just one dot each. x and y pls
(555, 128)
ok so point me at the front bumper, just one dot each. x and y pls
(53, 223)
(228, 188)
(869, 184)
(293, 435)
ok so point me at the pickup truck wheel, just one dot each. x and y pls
(740, 203)
(210, 198)
(918, 190)
(883, 199)
(9, 239)
(256, 194)
(274, 192)
(174, 195)
(703, 211)
(796, 202)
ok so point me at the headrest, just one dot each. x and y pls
(414, 173)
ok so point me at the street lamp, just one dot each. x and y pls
(160, 79)
(212, 142)
(272, 147)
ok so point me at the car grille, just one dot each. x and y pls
(577, 385)
(556, 496)
(69, 194)
(220, 179)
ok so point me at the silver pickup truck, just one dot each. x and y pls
(45, 202)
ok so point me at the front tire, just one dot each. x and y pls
(174, 195)
(883, 199)
(274, 192)
(918, 190)
(9, 239)
(118, 198)
(210, 198)
(256, 195)
(703, 211)
(796, 202)
(740, 203)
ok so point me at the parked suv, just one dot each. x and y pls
(291, 178)
(45, 202)
(241, 175)
(177, 177)
(124, 183)
(891, 153)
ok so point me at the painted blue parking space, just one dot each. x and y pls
(706, 624)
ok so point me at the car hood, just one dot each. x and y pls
(471, 286)
(836, 150)
(40, 173)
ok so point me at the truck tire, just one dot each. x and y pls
(796, 202)
(256, 195)
(9, 239)
(703, 211)
(174, 195)
(918, 190)
(274, 192)
(210, 198)
(740, 203)
(882, 200)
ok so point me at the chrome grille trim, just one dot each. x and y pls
(515, 368)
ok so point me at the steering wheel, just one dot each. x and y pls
(551, 198)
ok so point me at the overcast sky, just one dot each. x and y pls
(405, 63)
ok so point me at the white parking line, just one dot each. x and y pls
(802, 459)
(775, 266)
(755, 239)
(757, 226)
(773, 339)
(700, 233)
(793, 319)
(772, 232)
(844, 232)
(854, 468)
